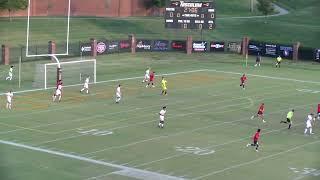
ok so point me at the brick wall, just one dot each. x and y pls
(100, 8)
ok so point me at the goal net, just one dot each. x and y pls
(73, 73)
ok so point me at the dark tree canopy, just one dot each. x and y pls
(265, 7)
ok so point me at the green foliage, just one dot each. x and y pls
(13, 5)
(155, 3)
(265, 7)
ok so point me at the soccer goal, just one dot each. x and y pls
(72, 73)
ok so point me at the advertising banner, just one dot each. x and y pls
(85, 49)
(234, 47)
(199, 46)
(178, 45)
(113, 46)
(285, 51)
(255, 47)
(124, 46)
(160, 45)
(143, 45)
(271, 50)
(317, 55)
(216, 46)
(101, 47)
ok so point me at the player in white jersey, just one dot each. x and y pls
(118, 94)
(58, 92)
(86, 85)
(162, 114)
(10, 73)
(309, 124)
(146, 76)
(9, 96)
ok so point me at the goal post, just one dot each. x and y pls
(71, 73)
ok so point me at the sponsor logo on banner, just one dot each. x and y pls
(317, 54)
(178, 45)
(113, 46)
(124, 44)
(199, 46)
(143, 45)
(160, 45)
(286, 51)
(234, 47)
(85, 48)
(101, 47)
(255, 47)
(217, 46)
(271, 49)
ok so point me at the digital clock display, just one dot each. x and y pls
(190, 15)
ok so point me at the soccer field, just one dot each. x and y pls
(206, 129)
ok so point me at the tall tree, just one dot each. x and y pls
(265, 7)
(13, 5)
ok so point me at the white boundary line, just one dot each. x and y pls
(112, 80)
(148, 174)
(256, 160)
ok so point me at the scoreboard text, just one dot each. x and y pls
(190, 15)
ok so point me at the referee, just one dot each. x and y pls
(279, 59)
(289, 118)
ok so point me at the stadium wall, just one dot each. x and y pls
(98, 8)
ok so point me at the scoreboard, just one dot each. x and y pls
(190, 15)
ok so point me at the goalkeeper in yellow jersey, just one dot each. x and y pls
(164, 86)
(289, 118)
(279, 59)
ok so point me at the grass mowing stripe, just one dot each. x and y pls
(176, 134)
(144, 122)
(256, 160)
(147, 174)
(230, 142)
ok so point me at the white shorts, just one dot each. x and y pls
(9, 101)
(118, 95)
(58, 92)
(146, 76)
(308, 125)
(161, 118)
(86, 85)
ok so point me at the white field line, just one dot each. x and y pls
(181, 132)
(102, 115)
(126, 126)
(266, 77)
(144, 122)
(112, 80)
(212, 146)
(150, 175)
(257, 160)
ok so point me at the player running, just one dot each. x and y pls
(9, 96)
(58, 92)
(279, 59)
(162, 113)
(309, 124)
(289, 118)
(260, 113)
(255, 139)
(86, 85)
(164, 86)
(151, 80)
(318, 112)
(146, 76)
(10, 74)
(243, 80)
(118, 94)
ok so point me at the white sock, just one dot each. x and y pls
(310, 130)
(305, 131)
(87, 91)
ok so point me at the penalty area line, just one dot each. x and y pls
(130, 171)
(108, 81)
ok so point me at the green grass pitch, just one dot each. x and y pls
(207, 125)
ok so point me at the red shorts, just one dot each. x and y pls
(260, 113)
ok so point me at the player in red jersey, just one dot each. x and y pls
(260, 113)
(255, 139)
(318, 111)
(243, 80)
(151, 79)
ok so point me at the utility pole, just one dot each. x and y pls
(251, 5)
